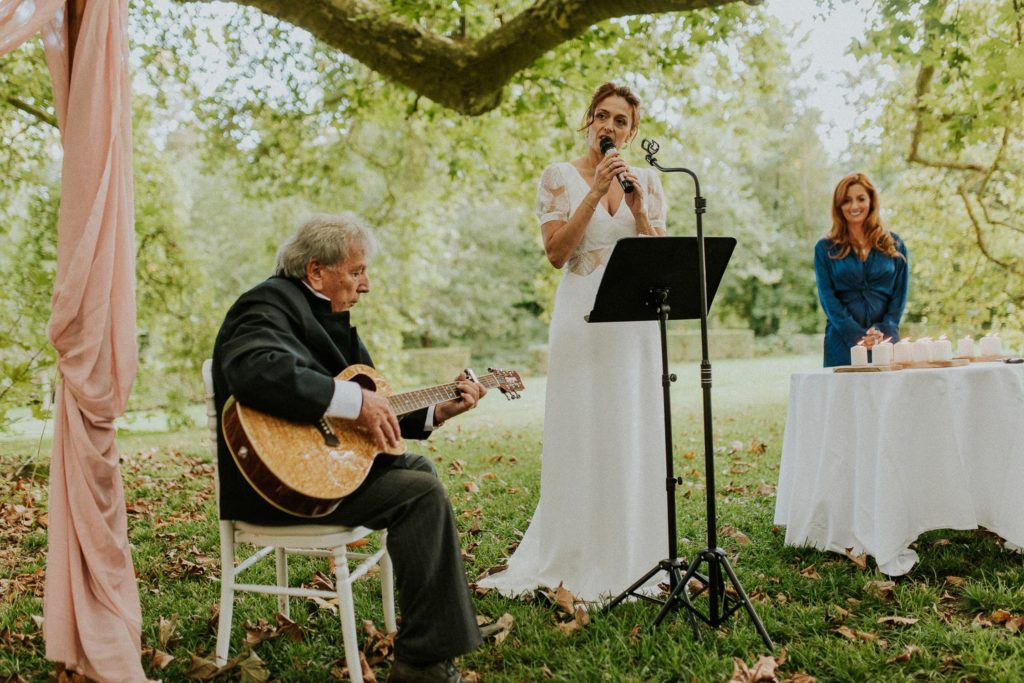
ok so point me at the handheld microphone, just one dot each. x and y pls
(608, 147)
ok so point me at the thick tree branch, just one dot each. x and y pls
(35, 111)
(467, 75)
(979, 237)
(924, 80)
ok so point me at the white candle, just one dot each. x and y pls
(941, 349)
(903, 351)
(922, 350)
(991, 345)
(881, 353)
(965, 347)
(858, 355)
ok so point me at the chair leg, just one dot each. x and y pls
(227, 591)
(387, 586)
(281, 560)
(347, 612)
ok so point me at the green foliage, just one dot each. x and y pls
(243, 124)
(28, 216)
(949, 88)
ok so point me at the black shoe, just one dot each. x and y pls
(438, 672)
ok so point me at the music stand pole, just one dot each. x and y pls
(673, 565)
(720, 605)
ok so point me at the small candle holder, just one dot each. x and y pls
(941, 350)
(903, 351)
(965, 347)
(881, 353)
(991, 346)
(858, 355)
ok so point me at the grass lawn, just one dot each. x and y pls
(958, 609)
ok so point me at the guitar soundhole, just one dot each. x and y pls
(365, 382)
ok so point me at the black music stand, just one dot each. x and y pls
(661, 279)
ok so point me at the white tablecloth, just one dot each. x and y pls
(872, 460)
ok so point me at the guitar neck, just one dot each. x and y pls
(412, 401)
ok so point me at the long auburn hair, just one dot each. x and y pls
(607, 90)
(875, 233)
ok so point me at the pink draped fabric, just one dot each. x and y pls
(20, 20)
(91, 606)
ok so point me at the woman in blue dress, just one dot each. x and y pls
(861, 269)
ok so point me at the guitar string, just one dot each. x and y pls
(414, 400)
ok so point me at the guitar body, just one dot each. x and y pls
(304, 469)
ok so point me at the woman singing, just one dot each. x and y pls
(862, 272)
(601, 521)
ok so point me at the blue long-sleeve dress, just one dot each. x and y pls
(857, 295)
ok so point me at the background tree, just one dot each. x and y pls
(952, 153)
(460, 54)
(244, 123)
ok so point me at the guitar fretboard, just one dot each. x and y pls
(411, 401)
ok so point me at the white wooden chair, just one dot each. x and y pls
(319, 540)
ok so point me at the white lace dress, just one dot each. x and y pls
(601, 522)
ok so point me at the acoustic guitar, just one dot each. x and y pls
(307, 469)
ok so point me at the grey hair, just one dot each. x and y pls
(325, 237)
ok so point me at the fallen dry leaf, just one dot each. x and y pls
(500, 629)
(908, 652)
(837, 613)
(158, 659)
(860, 560)
(257, 633)
(763, 670)
(882, 589)
(165, 631)
(850, 634)
(378, 646)
(562, 598)
(202, 669)
(980, 621)
(957, 581)
(288, 628)
(810, 572)
(846, 632)
(731, 532)
(568, 627)
(899, 621)
(1000, 616)
(253, 670)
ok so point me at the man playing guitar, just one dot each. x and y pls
(279, 351)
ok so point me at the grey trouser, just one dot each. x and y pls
(405, 496)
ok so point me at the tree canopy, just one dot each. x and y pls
(243, 122)
(461, 55)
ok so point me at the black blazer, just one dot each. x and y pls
(278, 351)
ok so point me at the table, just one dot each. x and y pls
(871, 460)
